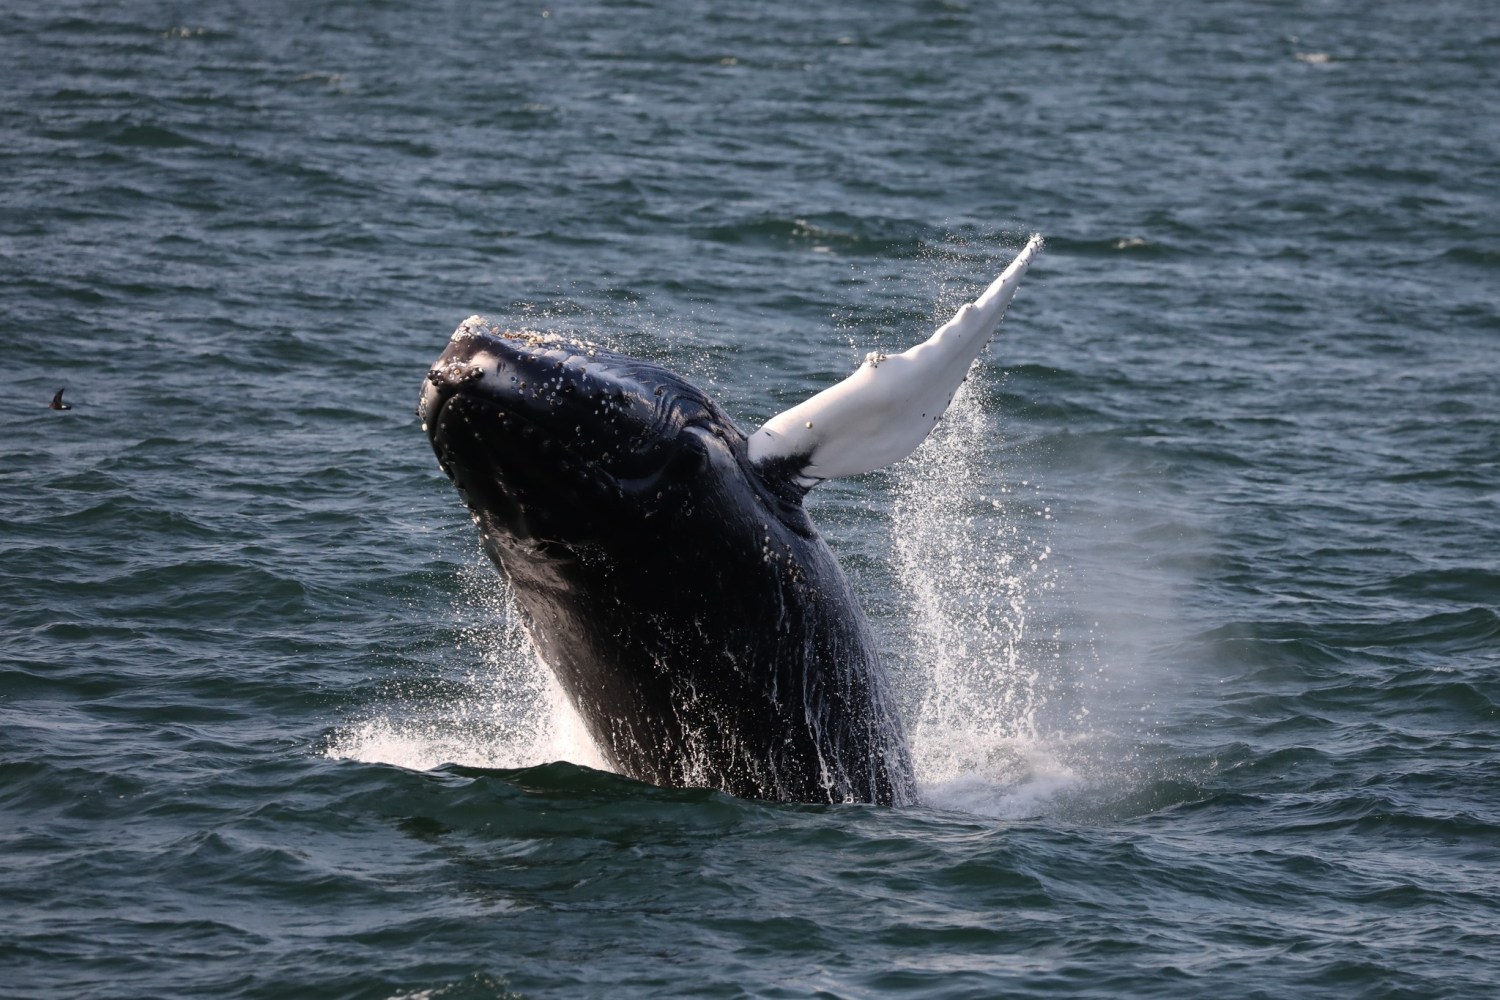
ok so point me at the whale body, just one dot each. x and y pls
(662, 560)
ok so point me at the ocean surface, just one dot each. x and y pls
(1192, 602)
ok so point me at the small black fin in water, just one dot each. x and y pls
(57, 403)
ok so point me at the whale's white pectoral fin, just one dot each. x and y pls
(882, 412)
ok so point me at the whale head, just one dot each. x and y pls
(557, 445)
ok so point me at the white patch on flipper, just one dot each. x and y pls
(882, 412)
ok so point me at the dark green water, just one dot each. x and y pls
(1194, 601)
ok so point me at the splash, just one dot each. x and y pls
(970, 553)
(1022, 778)
(507, 711)
(995, 717)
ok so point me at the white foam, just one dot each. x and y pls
(470, 732)
(971, 569)
(1021, 780)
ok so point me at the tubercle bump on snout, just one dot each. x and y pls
(455, 373)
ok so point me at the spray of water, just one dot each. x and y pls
(506, 710)
(970, 551)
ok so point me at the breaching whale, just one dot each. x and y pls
(662, 560)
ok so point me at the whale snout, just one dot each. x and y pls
(521, 371)
(535, 431)
(479, 362)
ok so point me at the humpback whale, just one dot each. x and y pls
(663, 563)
